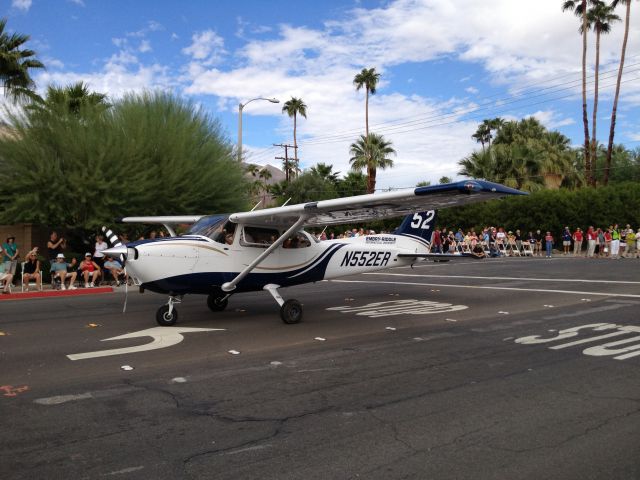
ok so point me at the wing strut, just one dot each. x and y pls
(230, 286)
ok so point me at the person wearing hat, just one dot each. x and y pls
(566, 240)
(578, 237)
(10, 254)
(90, 271)
(59, 270)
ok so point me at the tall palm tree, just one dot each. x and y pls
(371, 152)
(614, 109)
(72, 99)
(601, 16)
(367, 78)
(579, 7)
(293, 108)
(15, 64)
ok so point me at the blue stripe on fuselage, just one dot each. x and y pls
(205, 282)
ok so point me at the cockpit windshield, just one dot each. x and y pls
(210, 226)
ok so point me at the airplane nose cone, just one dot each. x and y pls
(116, 251)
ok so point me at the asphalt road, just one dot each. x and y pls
(469, 370)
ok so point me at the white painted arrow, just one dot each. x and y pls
(162, 337)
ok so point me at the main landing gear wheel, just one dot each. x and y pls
(217, 303)
(164, 318)
(291, 311)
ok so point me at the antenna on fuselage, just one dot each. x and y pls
(288, 200)
(256, 205)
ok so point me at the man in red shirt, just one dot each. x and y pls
(577, 242)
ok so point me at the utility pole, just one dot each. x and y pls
(285, 159)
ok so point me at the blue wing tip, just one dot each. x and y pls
(470, 186)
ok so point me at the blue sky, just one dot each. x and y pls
(445, 66)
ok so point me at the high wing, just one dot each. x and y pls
(363, 208)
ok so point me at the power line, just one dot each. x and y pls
(457, 114)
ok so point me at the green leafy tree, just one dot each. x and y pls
(307, 187)
(424, 183)
(149, 154)
(293, 108)
(371, 152)
(353, 183)
(444, 180)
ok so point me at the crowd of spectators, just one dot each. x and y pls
(612, 242)
(90, 270)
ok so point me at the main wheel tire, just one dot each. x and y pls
(291, 311)
(165, 319)
(217, 303)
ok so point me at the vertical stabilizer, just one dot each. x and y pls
(419, 226)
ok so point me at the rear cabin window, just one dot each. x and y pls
(258, 236)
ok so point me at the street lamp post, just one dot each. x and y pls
(240, 108)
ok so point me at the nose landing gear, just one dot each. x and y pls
(167, 315)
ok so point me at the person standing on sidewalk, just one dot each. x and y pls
(577, 242)
(591, 242)
(548, 239)
(615, 241)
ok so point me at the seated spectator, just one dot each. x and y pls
(478, 251)
(90, 271)
(6, 277)
(31, 270)
(116, 271)
(59, 271)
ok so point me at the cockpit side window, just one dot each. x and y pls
(258, 236)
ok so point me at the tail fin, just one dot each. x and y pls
(419, 226)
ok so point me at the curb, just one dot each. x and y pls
(56, 293)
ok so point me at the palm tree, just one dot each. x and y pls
(326, 172)
(292, 108)
(73, 98)
(371, 152)
(614, 109)
(579, 7)
(15, 65)
(482, 135)
(601, 16)
(367, 78)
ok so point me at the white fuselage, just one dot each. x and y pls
(197, 264)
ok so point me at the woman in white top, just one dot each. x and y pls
(101, 245)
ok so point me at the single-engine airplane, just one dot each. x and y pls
(268, 249)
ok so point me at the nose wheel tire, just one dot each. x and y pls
(166, 319)
(217, 303)
(291, 311)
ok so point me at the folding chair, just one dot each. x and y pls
(31, 280)
(527, 249)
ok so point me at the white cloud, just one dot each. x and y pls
(471, 90)
(23, 5)
(551, 119)
(145, 46)
(207, 47)
(78, 2)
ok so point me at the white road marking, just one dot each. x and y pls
(234, 352)
(125, 470)
(530, 279)
(179, 380)
(320, 339)
(400, 307)
(57, 400)
(163, 337)
(542, 290)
